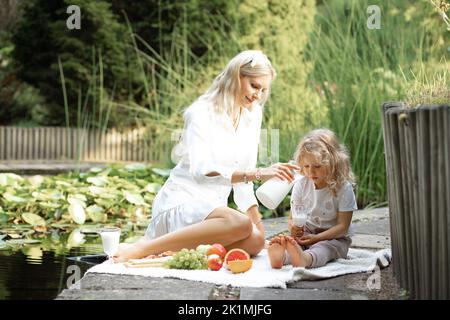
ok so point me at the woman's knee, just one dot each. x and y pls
(241, 226)
(257, 243)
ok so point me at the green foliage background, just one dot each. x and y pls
(141, 63)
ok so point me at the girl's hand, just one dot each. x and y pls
(279, 170)
(308, 240)
(296, 231)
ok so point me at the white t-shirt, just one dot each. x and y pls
(325, 206)
(211, 144)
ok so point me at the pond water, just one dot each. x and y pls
(42, 271)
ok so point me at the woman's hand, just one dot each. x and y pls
(279, 170)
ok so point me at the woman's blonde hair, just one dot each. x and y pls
(223, 90)
(324, 146)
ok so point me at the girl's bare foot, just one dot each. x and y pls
(299, 258)
(277, 247)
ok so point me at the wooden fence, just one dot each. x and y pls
(62, 143)
(417, 144)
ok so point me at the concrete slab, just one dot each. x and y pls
(370, 241)
(376, 285)
(375, 227)
(299, 294)
(109, 286)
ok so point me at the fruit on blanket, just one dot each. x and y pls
(236, 254)
(214, 262)
(218, 249)
(188, 259)
(203, 248)
(238, 266)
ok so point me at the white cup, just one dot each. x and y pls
(273, 191)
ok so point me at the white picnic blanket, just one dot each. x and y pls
(261, 274)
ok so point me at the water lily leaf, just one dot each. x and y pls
(36, 181)
(33, 253)
(4, 218)
(162, 172)
(96, 213)
(77, 213)
(134, 198)
(135, 166)
(10, 179)
(98, 181)
(76, 238)
(48, 195)
(97, 190)
(49, 205)
(153, 187)
(79, 196)
(22, 241)
(72, 200)
(63, 183)
(113, 195)
(96, 169)
(12, 198)
(15, 235)
(33, 219)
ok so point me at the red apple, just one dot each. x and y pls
(214, 262)
(218, 249)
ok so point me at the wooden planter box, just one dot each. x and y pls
(417, 144)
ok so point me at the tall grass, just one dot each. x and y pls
(357, 69)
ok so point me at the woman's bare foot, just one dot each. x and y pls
(277, 247)
(129, 251)
(299, 258)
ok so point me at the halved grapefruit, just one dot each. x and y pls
(238, 266)
(235, 254)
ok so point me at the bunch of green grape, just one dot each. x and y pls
(188, 259)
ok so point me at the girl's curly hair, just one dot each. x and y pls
(325, 147)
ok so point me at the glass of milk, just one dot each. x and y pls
(302, 206)
(110, 239)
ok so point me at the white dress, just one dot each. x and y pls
(209, 144)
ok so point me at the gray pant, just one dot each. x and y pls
(325, 251)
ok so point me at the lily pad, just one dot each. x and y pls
(77, 213)
(97, 190)
(96, 213)
(33, 219)
(98, 181)
(153, 187)
(72, 200)
(12, 198)
(4, 218)
(134, 198)
(96, 169)
(162, 172)
(135, 166)
(22, 241)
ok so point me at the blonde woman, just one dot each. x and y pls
(327, 185)
(218, 154)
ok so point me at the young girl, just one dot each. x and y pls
(325, 166)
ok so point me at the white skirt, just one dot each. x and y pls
(192, 210)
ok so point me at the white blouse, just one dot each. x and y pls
(210, 143)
